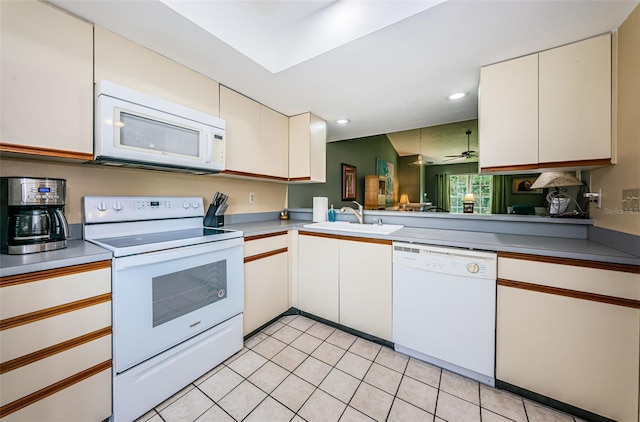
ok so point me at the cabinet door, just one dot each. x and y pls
(266, 293)
(307, 148)
(579, 352)
(47, 80)
(318, 276)
(570, 332)
(242, 116)
(508, 113)
(274, 143)
(365, 287)
(575, 101)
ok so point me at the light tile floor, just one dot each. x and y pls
(301, 370)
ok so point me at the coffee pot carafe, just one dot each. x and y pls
(32, 215)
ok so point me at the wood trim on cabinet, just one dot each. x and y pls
(52, 350)
(53, 388)
(265, 255)
(300, 179)
(599, 162)
(56, 272)
(264, 236)
(16, 321)
(516, 167)
(351, 238)
(254, 175)
(626, 268)
(45, 152)
(594, 297)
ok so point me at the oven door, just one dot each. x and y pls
(161, 299)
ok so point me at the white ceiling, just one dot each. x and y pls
(385, 64)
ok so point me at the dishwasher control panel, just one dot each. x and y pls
(453, 261)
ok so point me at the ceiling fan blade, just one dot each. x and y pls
(451, 159)
(454, 156)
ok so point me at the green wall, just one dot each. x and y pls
(362, 154)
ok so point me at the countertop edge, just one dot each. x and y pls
(613, 255)
(77, 252)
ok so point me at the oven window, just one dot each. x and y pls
(145, 133)
(182, 292)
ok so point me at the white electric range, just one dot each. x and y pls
(178, 294)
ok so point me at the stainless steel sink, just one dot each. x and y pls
(355, 227)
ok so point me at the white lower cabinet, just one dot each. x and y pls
(365, 287)
(55, 344)
(571, 332)
(318, 276)
(266, 280)
(347, 281)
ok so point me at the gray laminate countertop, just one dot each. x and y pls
(77, 252)
(81, 252)
(582, 249)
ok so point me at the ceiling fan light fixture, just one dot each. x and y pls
(420, 161)
(457, 95)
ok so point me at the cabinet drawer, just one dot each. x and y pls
(574, 276)
(30, 378)
(256, 245)
(28, 338)
(23, 298)
(86, 400)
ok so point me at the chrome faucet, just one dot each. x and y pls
(357, 212)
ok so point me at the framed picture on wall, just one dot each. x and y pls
(384, 168)
(523, 185)
(348, 182)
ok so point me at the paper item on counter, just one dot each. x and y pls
(320, 208)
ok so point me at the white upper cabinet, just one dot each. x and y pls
(242, 116)
(47, 81)
(575, 101)
(508, 113)
(274, 143)
(257, 137)
(307, 148)
(550, 110)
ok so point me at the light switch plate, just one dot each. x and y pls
(631, 200)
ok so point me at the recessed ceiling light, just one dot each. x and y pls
(457, 95)
(342, 121)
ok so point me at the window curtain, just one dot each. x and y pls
(443, 199)
(499, 196)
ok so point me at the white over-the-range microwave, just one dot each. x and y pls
(136, 129)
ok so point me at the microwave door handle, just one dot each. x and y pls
(63, 222)
(207, 146)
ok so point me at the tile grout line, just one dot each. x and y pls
(360, 381)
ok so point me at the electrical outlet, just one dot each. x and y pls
(252, 198)
(630, 200)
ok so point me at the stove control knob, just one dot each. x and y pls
(102, 206)
(117, 206)
(186, 205)
(195, 205)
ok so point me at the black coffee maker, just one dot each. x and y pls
(32, 215)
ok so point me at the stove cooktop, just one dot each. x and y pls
(153, 238)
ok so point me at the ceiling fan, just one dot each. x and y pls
(464, 154)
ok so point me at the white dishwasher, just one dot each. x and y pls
(444, 308)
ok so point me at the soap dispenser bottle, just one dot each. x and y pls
(332, 214)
